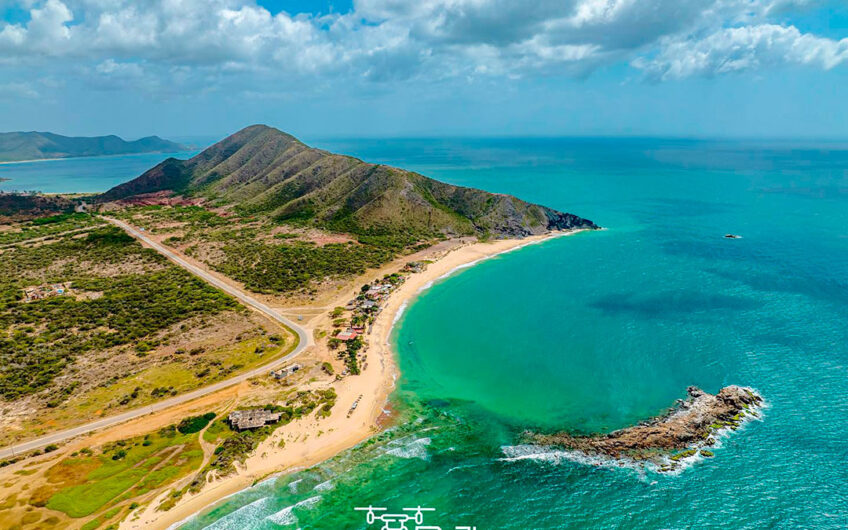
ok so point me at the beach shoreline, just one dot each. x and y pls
(338, 433)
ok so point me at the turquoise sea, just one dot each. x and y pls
(601, 330)
(79, 175)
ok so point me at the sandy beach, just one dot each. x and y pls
(309, 441)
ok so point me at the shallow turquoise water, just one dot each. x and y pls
(79, 175)
(600, 330)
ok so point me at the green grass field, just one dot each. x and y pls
(122, 471)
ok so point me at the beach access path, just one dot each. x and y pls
(304, 340)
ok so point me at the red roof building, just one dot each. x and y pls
(346, 335)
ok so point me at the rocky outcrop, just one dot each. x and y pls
(691, 425)
(566, 221)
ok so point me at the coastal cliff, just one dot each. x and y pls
(691, 425)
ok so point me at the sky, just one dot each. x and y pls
(387, 68)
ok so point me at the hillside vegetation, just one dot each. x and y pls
(254, 252)
(40, 145)
(263, 171)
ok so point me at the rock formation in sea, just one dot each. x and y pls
(687, 429)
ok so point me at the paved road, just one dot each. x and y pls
(304, 340)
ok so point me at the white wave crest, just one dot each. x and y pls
(238, 518)
(293, 485)
(414, 449)
(286, 516)
(327, 485)
(538, 453)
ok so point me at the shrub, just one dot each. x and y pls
(195, 423)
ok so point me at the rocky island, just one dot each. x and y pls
(687, 430)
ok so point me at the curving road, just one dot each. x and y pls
(304, 341)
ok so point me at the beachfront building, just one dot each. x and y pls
(252, 418)
(378, 291)
(347, 334)
(414, 266)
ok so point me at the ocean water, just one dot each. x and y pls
(600, 330)
(79, 175)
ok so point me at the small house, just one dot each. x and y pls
(284, 372)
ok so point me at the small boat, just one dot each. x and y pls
(732, 236)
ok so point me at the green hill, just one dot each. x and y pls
(263, 171)
(43, 145)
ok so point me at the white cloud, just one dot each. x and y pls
(744, 48)
(46, 31)
(198, 42)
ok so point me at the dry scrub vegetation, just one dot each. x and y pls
(92, 323)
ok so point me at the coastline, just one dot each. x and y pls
(10, 162)
(337, 433)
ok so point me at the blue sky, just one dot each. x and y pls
(703, 68)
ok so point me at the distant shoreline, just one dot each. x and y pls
(11, 162)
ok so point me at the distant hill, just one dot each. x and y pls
(16, 146)
(263, 171)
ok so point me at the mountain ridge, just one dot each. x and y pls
(261, 170)
(36, 145)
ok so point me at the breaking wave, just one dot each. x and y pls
(415, 449)
(287, 517)
(238, 518)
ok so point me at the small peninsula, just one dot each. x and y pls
(686, 430)
(26, 146)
